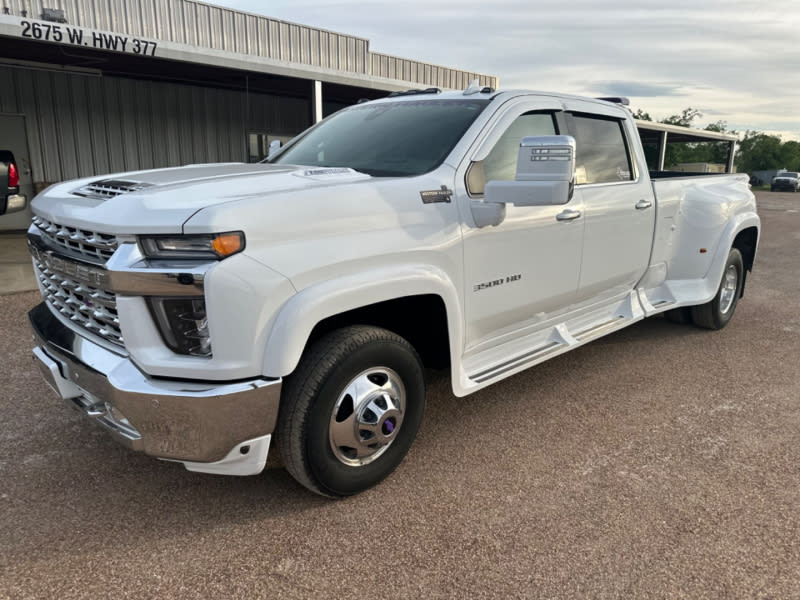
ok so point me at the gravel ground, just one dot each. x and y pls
(662, 461)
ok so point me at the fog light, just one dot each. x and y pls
(183, 324)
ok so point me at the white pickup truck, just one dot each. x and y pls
(195, 312)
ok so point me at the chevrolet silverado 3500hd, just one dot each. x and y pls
(197, 312)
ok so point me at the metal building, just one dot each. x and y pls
(96, 86)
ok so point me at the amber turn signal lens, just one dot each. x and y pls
(227, 244)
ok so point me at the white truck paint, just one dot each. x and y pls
(503, 266)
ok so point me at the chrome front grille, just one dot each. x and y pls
(98, 247)
(109, 188)
(92, 308)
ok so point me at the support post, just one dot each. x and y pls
(731, 156)
(316, 102)
(662, 150)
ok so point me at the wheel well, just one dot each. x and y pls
(422, 320)
(746, 242)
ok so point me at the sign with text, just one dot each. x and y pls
(82, 37)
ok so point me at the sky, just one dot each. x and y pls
(733, 60)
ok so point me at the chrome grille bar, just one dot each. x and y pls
(96, 246)
(92, 308)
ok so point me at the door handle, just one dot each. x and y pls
(642, 204)
(568, 215)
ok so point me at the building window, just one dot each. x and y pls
(258, 144)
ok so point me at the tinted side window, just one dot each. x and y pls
(501, 162)
(601, 154)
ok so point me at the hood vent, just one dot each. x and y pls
(109, 188)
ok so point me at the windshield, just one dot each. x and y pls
(386, 139)
(788, 174)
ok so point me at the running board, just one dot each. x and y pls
(551, 341)
(601, 329)
(540, 353)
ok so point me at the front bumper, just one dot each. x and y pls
(211, 427)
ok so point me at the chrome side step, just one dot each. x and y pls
(539, 353)
(600, 329)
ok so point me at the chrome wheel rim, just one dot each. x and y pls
(367, 416)
(727, 292)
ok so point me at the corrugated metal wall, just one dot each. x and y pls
(107, 124)
(199, 24)
(392, 67)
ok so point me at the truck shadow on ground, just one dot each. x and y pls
(63, 477)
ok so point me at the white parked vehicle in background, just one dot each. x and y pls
(196, 312)
(786, 181)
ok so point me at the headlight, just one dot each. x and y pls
(183, 324)
(214, 246)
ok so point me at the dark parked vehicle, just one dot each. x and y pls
(10, 198)
(788, 181)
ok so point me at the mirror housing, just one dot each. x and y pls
(545, 177)
(546, 158)
(274, 146)
(545, 174)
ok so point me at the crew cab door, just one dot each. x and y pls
(519, 272)
(617, 198)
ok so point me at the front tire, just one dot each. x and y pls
(351, 410)
(718, 312)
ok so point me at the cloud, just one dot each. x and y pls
(735, 60)
(633, 88)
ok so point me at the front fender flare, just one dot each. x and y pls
(298, 317)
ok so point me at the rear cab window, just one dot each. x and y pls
(602, 151)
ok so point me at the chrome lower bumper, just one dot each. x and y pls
(203, 424)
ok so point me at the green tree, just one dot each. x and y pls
(679, 153)
(761, 151)
(685, 119)
(791, 155)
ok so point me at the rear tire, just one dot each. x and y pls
(351, 410)
(681, 316)
(718, 312)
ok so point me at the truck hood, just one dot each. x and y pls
(162, 200)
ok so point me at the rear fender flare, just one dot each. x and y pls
(737, 224)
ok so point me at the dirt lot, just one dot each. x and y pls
(662, 461)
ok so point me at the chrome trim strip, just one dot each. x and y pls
(134, 275)
(127, 272)
(513, 363)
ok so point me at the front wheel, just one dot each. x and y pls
(716, 313)
(351, 410)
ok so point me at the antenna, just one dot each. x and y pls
(473, 88)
